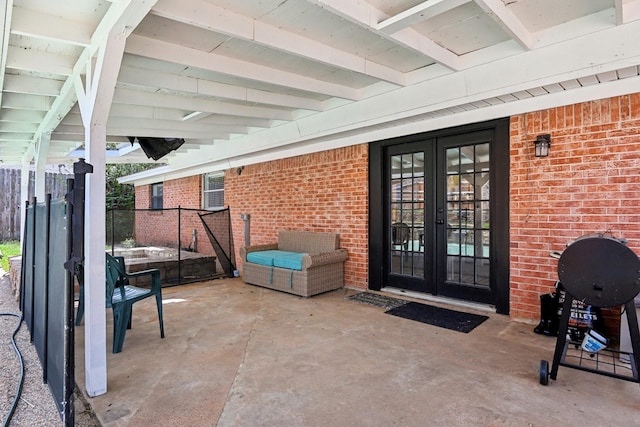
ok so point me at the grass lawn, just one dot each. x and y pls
(8, 249)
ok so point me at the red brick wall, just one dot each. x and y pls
(183, 192)
(590, 183)
(161, 228)
(325, 191)
(143, 197)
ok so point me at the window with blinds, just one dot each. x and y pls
(213, 191)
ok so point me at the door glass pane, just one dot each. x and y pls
(484, 214)
(406, 231)
(453, 271)
(396, 186)
(468, 219)
(482, 272)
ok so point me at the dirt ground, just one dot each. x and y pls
(36, 406)
(84, 415)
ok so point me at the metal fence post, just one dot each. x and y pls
(179, 245)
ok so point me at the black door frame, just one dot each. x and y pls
(500, 201)
(414, 283)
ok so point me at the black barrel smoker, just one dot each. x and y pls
(598, 270)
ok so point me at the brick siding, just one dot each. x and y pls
(590, 183)
(326, 191)
(160, 228)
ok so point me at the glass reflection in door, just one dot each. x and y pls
(407, 204)
(468, 220)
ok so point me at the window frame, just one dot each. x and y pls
(206, 190)
(155, 198)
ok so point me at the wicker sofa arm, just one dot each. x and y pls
(255, 248)
(315, 260)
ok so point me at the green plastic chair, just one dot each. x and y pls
(121, 296)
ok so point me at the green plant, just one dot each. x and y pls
(129, 243)
(8, 249)
(122, 196)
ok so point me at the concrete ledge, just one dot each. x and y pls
(193, 265)
(15, 269)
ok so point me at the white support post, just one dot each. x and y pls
(103, 61)
(94, 245)
(24, 195)
(95, 102)
(41, 164)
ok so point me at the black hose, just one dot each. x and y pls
(14, 405)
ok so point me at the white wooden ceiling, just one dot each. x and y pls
(250, 80)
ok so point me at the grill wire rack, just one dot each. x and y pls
(597, 270)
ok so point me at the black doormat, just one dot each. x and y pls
(437, 316)
(376, 300)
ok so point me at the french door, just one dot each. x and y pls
(444, 224)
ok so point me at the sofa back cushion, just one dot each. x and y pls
(310, 242)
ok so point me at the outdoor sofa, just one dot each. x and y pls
(302, 263)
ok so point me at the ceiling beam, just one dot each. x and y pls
(627, 11)
(19, 127)
(508, 22)
(11, 136)
(29, 116)
(151, 99)
(26, 102)
(46, 63)
(153, 112)
(124, 122)
(231, 120)
(10, 147)
(194, 142)
(173, 126)
(164, 51)
(73, 140)
(367, 16)
(121, 17)
(142, 131)
(39, 25)
(591, 54)
(205, 15)
(32, 85)
(6, 9)
(186, 85)
(418, 13)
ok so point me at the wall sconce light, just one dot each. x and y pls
(542, 145)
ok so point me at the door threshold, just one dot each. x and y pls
(439, 299)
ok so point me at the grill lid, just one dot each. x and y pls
(600, 270)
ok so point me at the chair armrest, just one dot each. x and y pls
(155, 277)
(151, 271)
(332, 257)
(255, 248)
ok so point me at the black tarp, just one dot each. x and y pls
(156, 148)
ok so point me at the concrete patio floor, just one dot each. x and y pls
(239, 355)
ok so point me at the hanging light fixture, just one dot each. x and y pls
(542, 145)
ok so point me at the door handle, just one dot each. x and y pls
(439, 221)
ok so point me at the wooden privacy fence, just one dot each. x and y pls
(10, 203)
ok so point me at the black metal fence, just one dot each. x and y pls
(51, 255)
(218, 227)
(173, 240)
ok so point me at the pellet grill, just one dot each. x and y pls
(598, 270)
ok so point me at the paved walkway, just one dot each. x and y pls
(239, 355)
